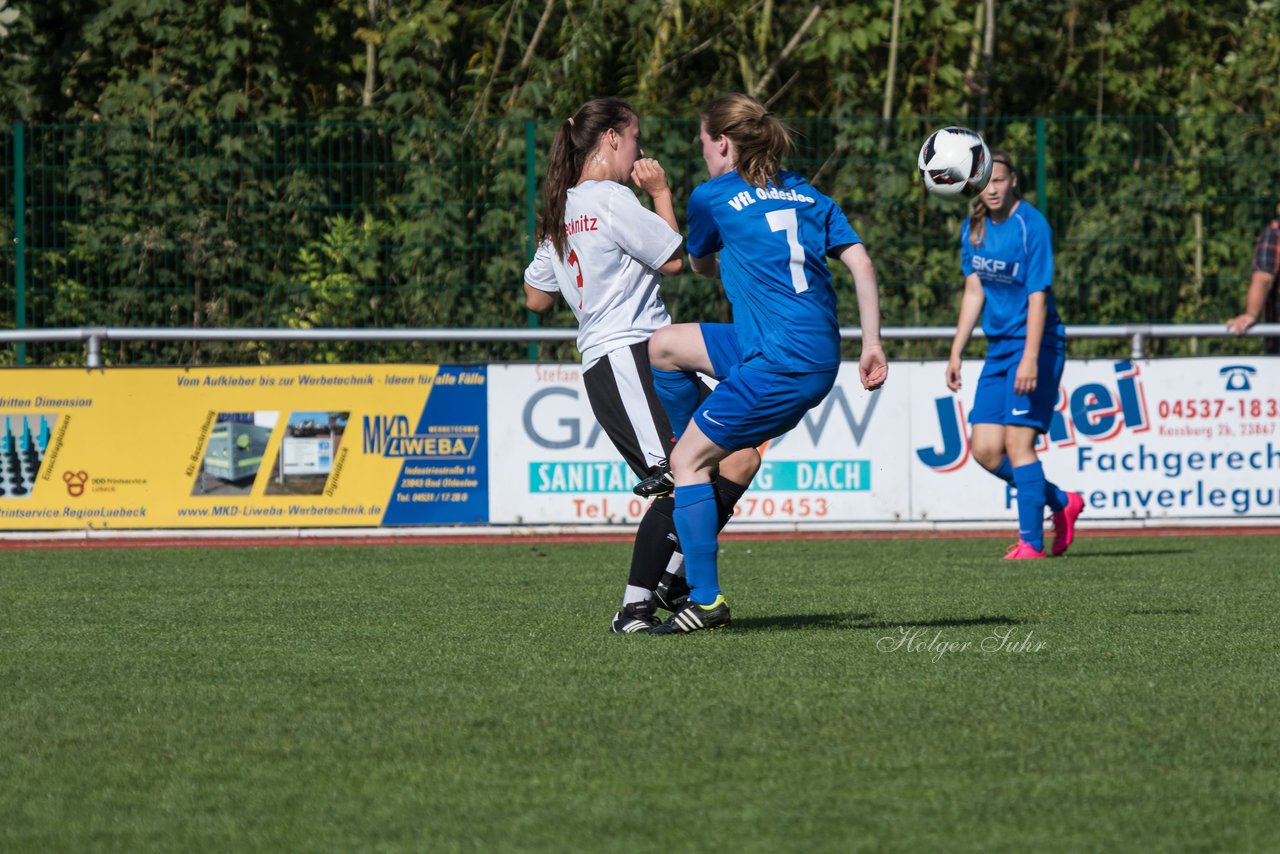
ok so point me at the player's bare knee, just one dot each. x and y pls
(693, 462)
(741, 466)
(662, 348)
(1019, 438)
(988, 454)
(1020, 444)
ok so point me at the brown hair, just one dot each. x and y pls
(761, 141)
(978, 211)
(575, 139)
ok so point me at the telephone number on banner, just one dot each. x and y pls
(1220, 408)
(749, 507)
(766, 508)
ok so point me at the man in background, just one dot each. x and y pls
(1261, 301)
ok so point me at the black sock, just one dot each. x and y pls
(656, 537)
(654, 545)
(728, 494)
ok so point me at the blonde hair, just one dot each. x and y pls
(760, 140)
(979, 214)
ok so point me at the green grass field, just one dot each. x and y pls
(470, 698)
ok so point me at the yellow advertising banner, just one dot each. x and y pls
(322, 446)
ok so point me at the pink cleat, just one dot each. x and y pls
(1064, 523)
(1022, 551)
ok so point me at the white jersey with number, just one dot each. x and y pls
(609, 273)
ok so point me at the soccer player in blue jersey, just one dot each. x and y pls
(1006, 255)
(766, 234)
(606, 254)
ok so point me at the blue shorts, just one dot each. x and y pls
(995, 401)
(751, 406)
(721, 341)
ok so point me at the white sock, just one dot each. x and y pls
(636, 594)
(675, 566)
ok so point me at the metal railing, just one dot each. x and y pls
(95, 336)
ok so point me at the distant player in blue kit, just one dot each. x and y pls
(766, 234)
(1006, 255)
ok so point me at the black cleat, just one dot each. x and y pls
(658, 484)
(635, 617)
(694, 617)
(672, 592)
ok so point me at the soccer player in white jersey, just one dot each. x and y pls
(607, 253)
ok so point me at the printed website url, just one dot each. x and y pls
(290, 510)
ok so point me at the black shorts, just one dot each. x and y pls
(620, 390)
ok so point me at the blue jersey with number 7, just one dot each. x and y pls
(773, 243)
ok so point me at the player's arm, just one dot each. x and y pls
(703, 241)
(970, 310)
(540, 272)
(708, 265)
(649, 176)
(1259, 286)
(663, 207)
(872, 366)
(538, 301)
(1024, 381)
(673, 265)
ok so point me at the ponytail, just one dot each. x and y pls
(576, 138)
(760, 141)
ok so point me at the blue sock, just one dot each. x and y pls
(1053, 496)
(1029, 480)
(697, 521)
(680, 395)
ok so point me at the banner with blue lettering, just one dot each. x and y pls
(846, 460)
(444, 477)
(1179, 438)
(369, 445)
(262, 447)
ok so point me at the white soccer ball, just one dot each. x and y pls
(955, 164)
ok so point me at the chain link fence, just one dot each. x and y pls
(428, 225)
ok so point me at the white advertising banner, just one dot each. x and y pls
(550, 461)
(1177, 438)
(553, 464)
(1182, 438)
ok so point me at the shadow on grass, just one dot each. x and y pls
(801, 621)
(951, 623)
(862, 621)
(1164, 612)
(1137, 552)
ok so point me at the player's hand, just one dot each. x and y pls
(1240, 325)
(1024, 381)
(649, 176)
(953, 374)
(873, 368)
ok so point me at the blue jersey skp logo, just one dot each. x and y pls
(1093, 410)
(391, 436)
